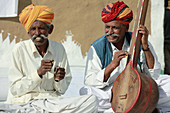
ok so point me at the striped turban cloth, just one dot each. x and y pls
(31, 13)
(117, 11)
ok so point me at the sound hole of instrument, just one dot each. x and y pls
(123, 96)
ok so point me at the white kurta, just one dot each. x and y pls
(94, 76)
(30, 93)
(25, 83)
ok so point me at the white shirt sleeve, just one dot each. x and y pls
(94, 74)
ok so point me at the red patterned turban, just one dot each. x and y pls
(31, 13)
(117, 11)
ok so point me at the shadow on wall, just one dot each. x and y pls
(21, 5)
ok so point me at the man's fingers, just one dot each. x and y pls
(122, 53)
(59, 76)
(59, 69)
(122, 57)
(46, 67)
(47, 63)
(143, 30)
(61, 72)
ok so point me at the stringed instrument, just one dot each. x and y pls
(133, 91)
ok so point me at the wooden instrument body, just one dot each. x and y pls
(133, 91)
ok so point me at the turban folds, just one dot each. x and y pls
(31, 13)
(117, 11)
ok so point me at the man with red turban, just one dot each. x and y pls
(107, 55)
(117, 11)
(39, 72)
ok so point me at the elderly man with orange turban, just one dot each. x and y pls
(107, 55)
(39, 72)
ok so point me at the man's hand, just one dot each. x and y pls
(144, 40)
(115, 63)
(118, 57)
(46, 65)
(60, 74)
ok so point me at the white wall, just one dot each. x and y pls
(157, 37)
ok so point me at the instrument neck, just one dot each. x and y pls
(136, 37)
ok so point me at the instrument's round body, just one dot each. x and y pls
(134, 92)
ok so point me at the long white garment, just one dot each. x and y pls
(25, 83)
(81, 104)
(94, 74)
(9, 8)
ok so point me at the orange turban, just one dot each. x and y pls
(117, 11)
(31, 13)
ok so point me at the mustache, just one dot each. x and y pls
(112, 35)
(41, 35)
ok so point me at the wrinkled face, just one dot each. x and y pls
(115, 31)
(38, 32)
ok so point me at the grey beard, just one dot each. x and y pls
(41, 35)
(112, 35)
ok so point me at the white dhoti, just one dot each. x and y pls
(104, 97)
(81, 104)
(164, 93)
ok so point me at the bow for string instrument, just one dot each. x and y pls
(133, 91)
